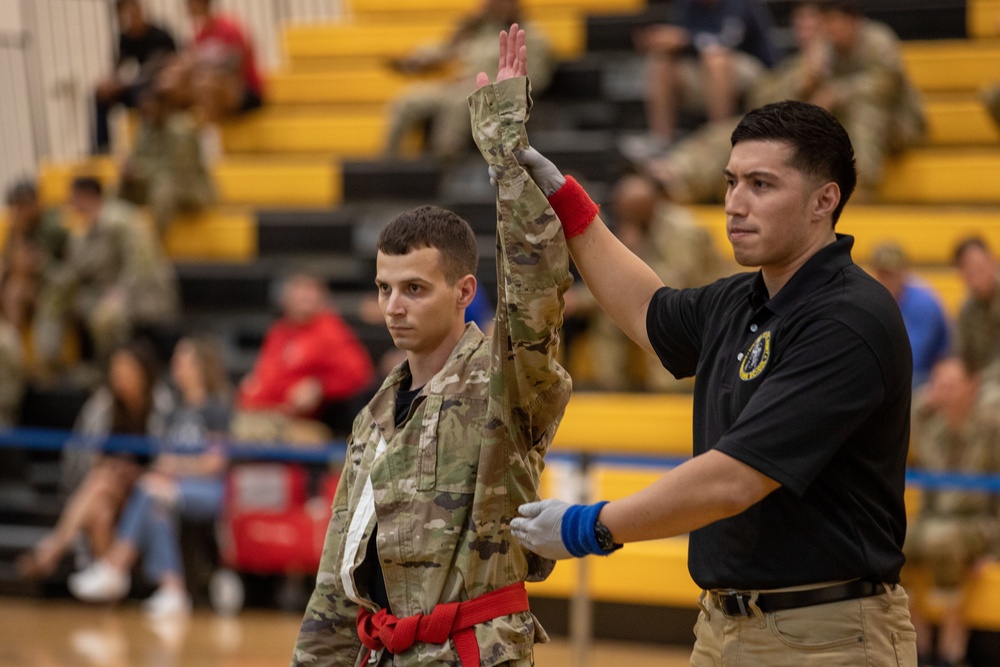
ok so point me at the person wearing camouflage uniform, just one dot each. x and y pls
(864, 84)
(956, 429)
(428, 492)
(113, 279)
(977, 332)
(471, 49)
(165, 169)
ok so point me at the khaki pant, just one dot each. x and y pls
(873, 632)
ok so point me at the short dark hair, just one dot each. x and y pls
(21, 191)
(820, 144)
(121, 3)
(88, 185)
(433, 227)
(967, 244)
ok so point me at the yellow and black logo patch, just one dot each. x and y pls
(756, 357)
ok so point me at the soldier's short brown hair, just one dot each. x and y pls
(433, 227)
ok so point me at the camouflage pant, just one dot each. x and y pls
(697, 162)
(948, 546)
(165, 197)
(444, 106)
(621, 365)
(105, 317)
(11, 374)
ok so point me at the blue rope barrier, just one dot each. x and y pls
(55, 440)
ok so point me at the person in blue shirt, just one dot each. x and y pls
(925, 320)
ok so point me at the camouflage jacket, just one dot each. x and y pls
(119, 252)
(978, 330)
(444, 486)
(973, 448)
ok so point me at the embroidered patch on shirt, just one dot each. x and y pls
(756, 357)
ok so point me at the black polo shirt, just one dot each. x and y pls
(812, 389)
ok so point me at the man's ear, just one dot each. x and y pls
(825, 201)
(466, 290)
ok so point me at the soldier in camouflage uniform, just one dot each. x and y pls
(421, 515)
(978, 327)
(956, 429)
(113, 279)
(471, 49)
(165, 169)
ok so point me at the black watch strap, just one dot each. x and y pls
(604, 539)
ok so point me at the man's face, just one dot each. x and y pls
(420, 308)
(840, 29)
(302, 299)
(85, 204)
(24, 213)
(130, 18)
(979, 272)
(768, 219)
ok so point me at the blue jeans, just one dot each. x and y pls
(151, 526)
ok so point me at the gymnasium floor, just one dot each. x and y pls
(47, 633)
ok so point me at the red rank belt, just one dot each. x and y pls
(452, 620)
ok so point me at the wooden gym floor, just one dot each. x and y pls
(61, 633)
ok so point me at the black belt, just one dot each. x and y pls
(737, 603)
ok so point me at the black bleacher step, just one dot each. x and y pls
(31, 509)
(318, 230)
(578, 79)
(223, 286)
(382, 180)
(52, 406)
(592, 155)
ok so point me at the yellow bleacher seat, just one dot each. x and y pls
(297, 181)
(952, 65)
(216, 235)
(358, 43)
(407, 8)
(287, 130)
(368, 85)
(627, 424)
(983, 19)
(960, 122)
(943, 176)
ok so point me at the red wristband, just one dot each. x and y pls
(574, 207)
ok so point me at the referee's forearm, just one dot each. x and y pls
(707, 488)
(621, 283)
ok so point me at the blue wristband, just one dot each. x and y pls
(578, 530)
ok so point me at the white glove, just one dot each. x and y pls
(539, 528)
(546, 175)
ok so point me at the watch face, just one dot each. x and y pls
(604, 539)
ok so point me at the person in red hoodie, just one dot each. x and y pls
(310, 364)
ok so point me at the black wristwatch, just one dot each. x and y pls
(604, 539)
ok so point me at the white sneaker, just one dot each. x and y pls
(99, 583)
(167, 601)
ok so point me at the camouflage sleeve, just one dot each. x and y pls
(328, 636)
(881, 75)
(146, 277)
(532, 263)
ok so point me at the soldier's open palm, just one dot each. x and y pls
(513, 57)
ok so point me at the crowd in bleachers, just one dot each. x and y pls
(84, 289)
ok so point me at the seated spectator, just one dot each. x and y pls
(36, 243)
(705, 61)
(165, 169)
(311, 366)
(471, 49)
(132, 402)
(143, 49)
(689, 171)
(114, 278)
(864, 84)
(955, 429)
(217, 75)
(923, 315)
(184, 482)
(666, 237)
(978, 328)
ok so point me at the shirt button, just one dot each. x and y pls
(753, 328)
(739, 357)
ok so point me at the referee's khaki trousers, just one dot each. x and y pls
(867, 632)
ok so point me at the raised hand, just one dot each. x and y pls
(513, 57)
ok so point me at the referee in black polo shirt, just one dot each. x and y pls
(794, 498)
